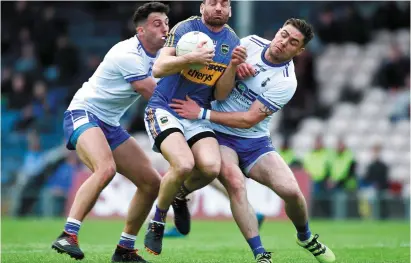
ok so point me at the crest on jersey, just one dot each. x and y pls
(225, 48)
(242, 88)
(163, 120)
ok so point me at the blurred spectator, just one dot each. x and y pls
(394, 70)
(33, 158)
(19, 97)
(57, 187)
(343, 167)
(66, 59)
(350, 31)
(46, 31)
(327, 28)
(33, 164)
(288, 153)
(6, 81)
(317, 164)
(27, 61)
(376, 176)
(401, 102)
(390, 16)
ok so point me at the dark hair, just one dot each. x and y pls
(304, 27)
(145, 10)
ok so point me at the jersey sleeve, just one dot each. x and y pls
(277, 96)
(178, 31)
(245, 41)
(131, 67)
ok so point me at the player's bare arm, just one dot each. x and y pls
(168, 63)
(189, 109)
(225, 83)
(144, 87)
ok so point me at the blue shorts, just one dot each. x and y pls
(78, 121)
(249, 150)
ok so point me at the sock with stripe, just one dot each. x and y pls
(255, 245)
(72, 226)
(303, 232)
(183, 192)
(160, 215)
(127, 240)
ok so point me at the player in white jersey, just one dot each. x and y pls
(91, 127)
(266, 83)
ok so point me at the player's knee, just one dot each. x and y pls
(184, 168)
(152, 186)
(210, 169)
(293, 195)
(235, 185)
(106, 173)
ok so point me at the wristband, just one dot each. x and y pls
(204, 114)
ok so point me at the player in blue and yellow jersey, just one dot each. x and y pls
(241, 125)
(188, 143)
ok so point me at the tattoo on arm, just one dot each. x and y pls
(266, 111)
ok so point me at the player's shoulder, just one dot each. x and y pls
(188, 24)
(256, 40)
(127, 48)
(231, 35)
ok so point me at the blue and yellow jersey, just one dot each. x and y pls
(198, 84)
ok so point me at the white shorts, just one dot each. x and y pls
(160, 123)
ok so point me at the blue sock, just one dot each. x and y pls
(160, 215)
(255, 245)
(127, 240)
(72, 226)
(303, 232)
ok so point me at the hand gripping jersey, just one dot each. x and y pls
(108, 93)
(198, 84)
(273, 85)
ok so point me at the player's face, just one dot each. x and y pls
(287, 43)
(155, 29)
(216, 12)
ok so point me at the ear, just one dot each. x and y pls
(300, 51)
(202, 8)
(140, 30)
(229, 14)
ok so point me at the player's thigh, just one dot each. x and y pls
(94, 151)
(134, 164)
(272, 171)
(231, 175)
(166, 136)
(204, 146)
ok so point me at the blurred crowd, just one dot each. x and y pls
(50, 48)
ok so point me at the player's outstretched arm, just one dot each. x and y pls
(225, 83)
(168, 63)
(189, 109)
(145, 87)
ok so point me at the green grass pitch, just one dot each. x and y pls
(29, 240)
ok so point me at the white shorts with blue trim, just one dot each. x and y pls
(158, 121)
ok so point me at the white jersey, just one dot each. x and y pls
(273, 85)
(108, 93)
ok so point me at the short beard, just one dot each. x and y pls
(213, 23)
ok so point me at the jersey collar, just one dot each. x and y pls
(145, 51)
(268, 63)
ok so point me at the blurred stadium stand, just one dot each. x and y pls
(353, 81)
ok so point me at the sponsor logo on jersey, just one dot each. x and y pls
(207, 75)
